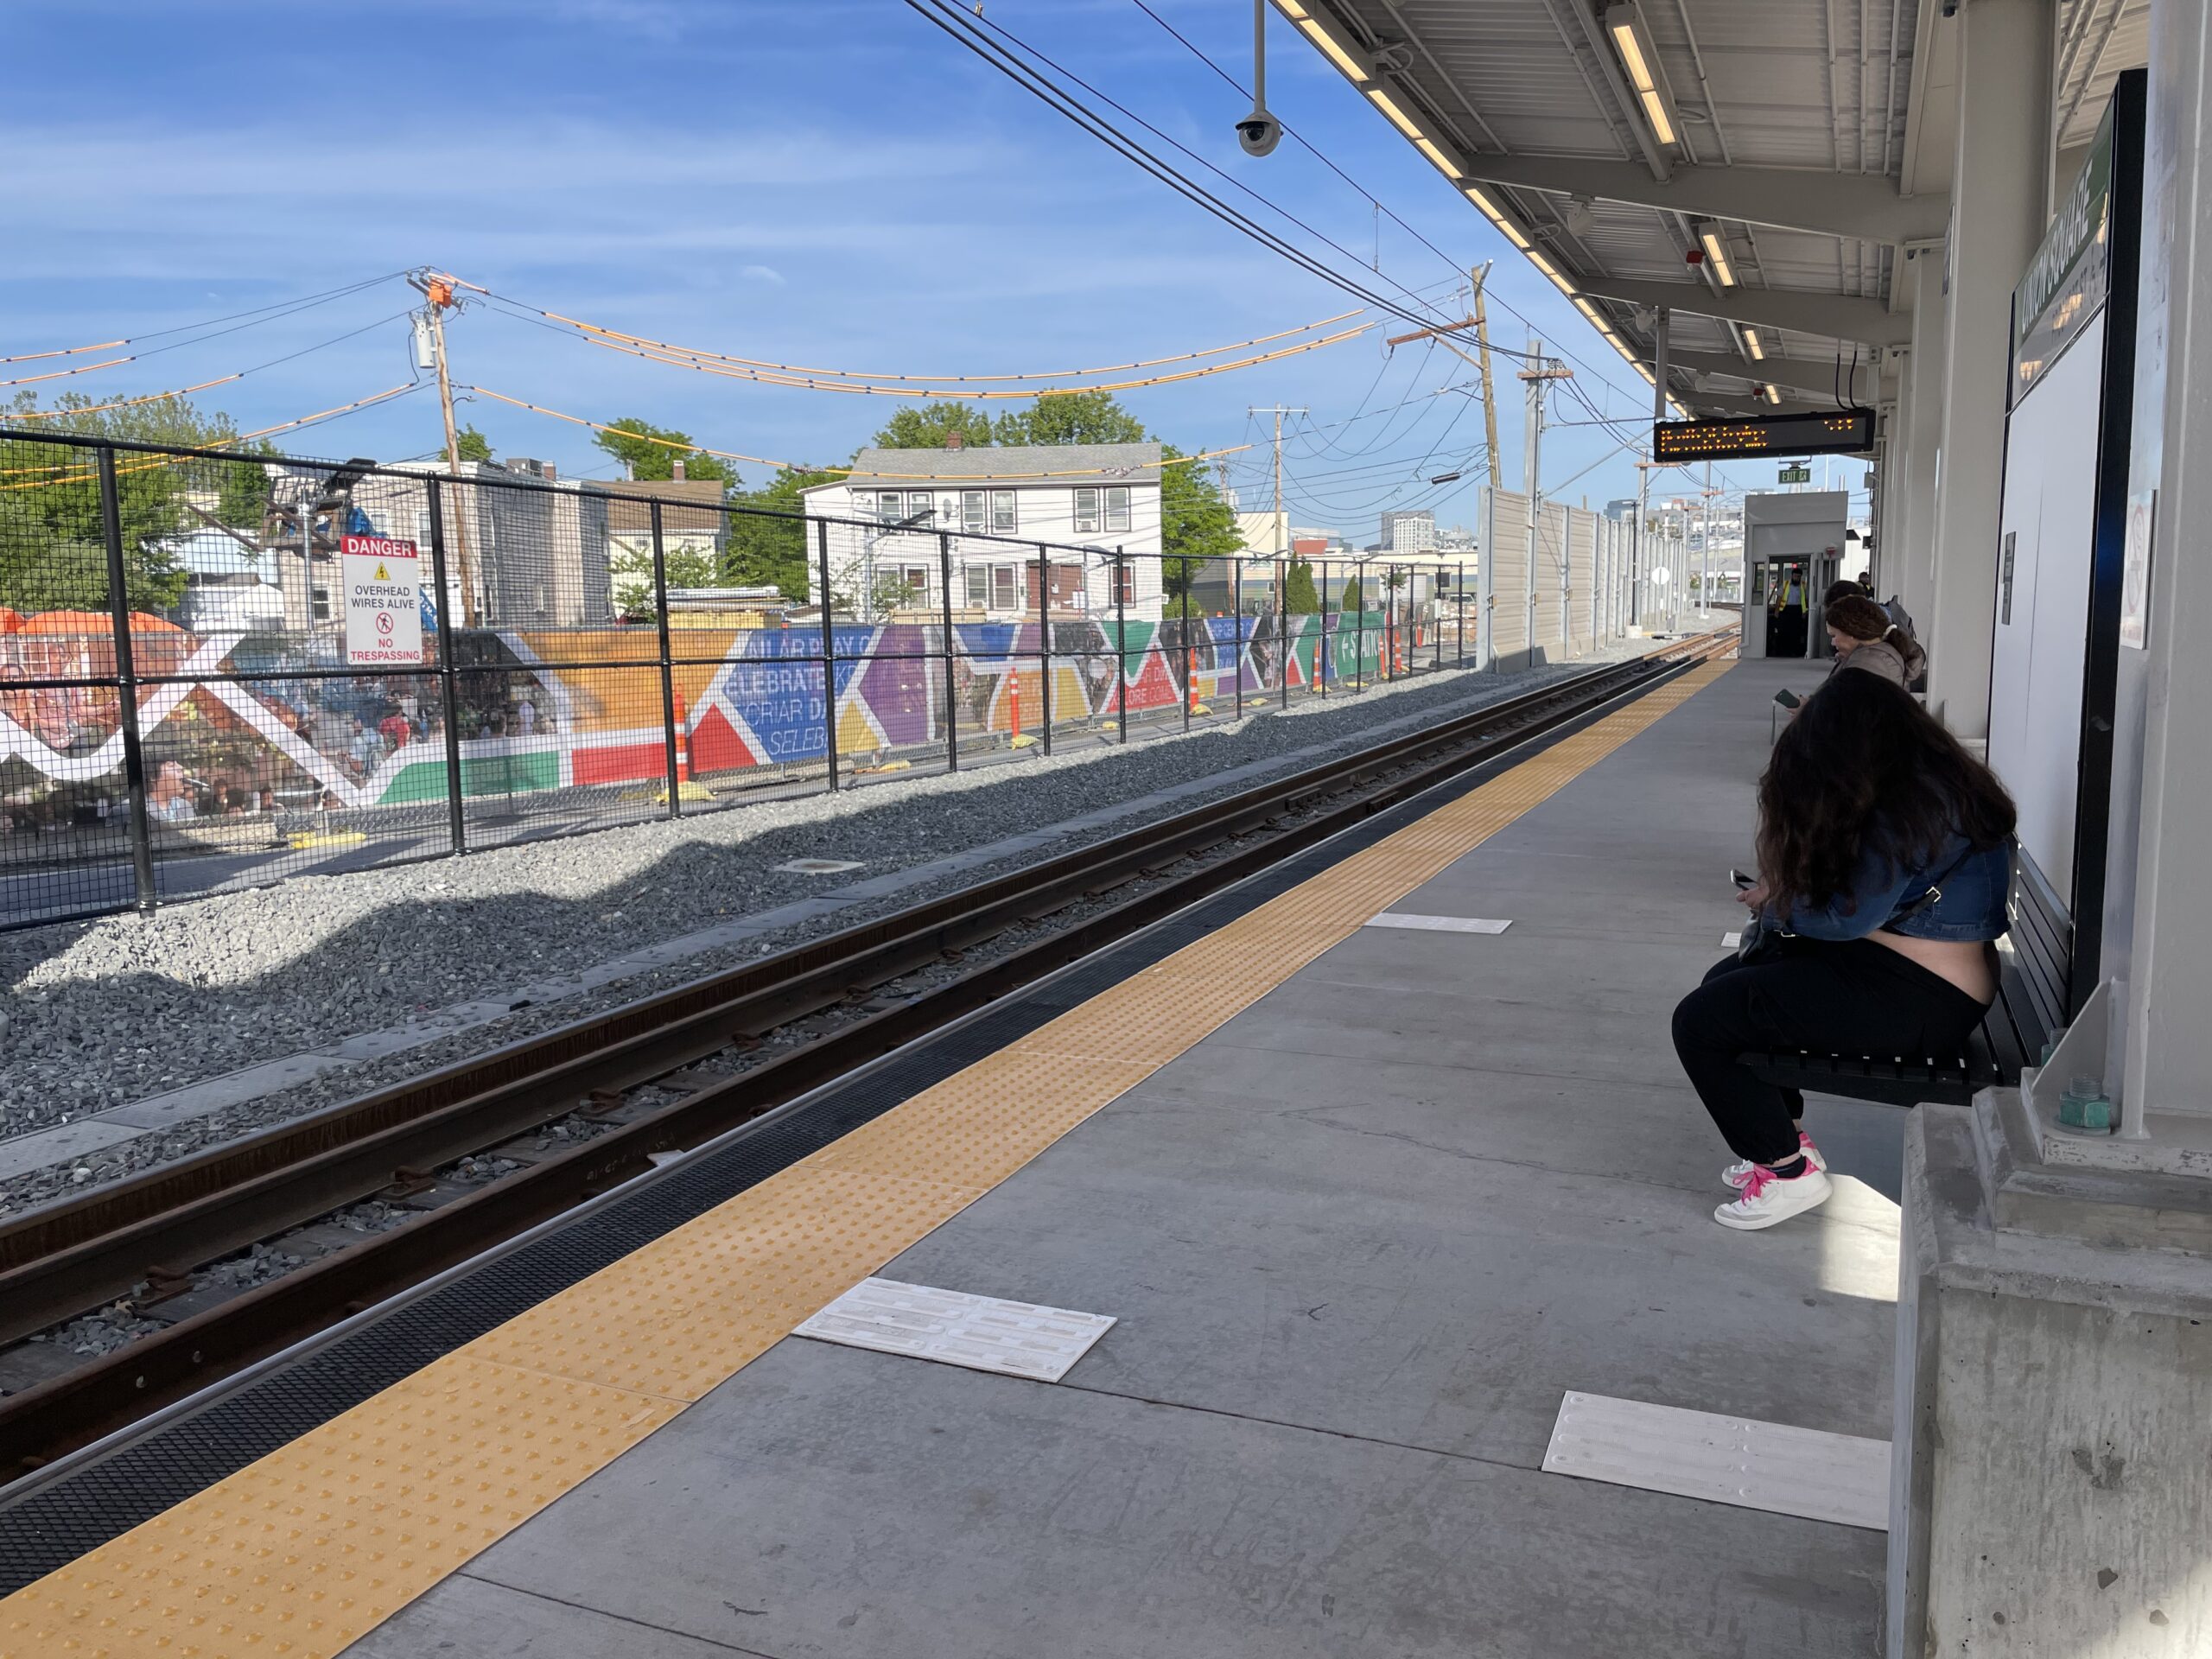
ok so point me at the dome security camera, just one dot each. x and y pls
(1259, 132)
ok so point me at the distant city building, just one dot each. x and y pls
(1623, 510)
(1413, 532)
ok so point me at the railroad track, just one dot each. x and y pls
(141, 1239)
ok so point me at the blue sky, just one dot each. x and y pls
(836, 183)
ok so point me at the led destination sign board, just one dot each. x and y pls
(1835, 432)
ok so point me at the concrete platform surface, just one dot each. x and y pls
(1359, 1240)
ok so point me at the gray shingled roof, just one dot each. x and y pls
(1072, 463)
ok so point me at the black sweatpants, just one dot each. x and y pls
(1852, 997)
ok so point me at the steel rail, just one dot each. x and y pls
(99, 1246)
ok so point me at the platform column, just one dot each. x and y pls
(2000, 186)
(1909, 572)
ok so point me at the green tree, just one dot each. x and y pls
(1351, 599)
(757, 551)
(473, 444)
(242, 497)
(630, 571)
(651, 452)
(1073, 418)
(1195, 523)
(53, 551)
(927, 428)
(1300, 597)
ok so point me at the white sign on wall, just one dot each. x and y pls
(383, 617)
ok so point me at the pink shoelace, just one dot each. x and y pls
(1762, 1177)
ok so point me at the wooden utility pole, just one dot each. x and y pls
(1480, 323)
(1283, 525)
(438, 290)
(1540, 370)
(1482, 345)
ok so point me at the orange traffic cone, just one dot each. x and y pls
(682, 743)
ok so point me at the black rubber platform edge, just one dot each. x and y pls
(50, 1523)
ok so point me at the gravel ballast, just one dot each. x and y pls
(102, 1013)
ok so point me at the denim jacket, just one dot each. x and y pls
(1970, 906)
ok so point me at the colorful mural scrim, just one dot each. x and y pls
(531, 719)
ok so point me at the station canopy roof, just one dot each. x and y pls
(1808, 143)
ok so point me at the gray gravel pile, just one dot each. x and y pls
(103, 1013)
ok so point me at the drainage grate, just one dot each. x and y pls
(46, 1524)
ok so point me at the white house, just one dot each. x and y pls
(916, 505)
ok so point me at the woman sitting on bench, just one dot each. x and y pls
(1885, 862)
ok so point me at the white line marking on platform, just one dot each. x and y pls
(981, 1333)
(1732, 940)
(1437, 924)
(815, 865)
(1754, 1465)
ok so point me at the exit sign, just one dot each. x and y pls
(1796, 475)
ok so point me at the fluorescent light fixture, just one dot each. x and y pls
(1292, 10)
(1311, 26)
(1543, 265)
(1773, 394)
(1444, 164)
(1497, 216)
(1399, 118)
(1716, 254)
(1588, 310)
(1649, 379)
(1751, 345)
(1639, 59)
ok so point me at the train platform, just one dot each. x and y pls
(1366, 1204)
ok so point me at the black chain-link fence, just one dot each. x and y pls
(219, 670)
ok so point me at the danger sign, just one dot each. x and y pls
(384, 620)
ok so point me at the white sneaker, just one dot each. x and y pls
(1737, 1175)
(1768, 1197)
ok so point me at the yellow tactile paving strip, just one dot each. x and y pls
(309, 1548)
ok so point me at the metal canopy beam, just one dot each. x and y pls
(1818, 380)
(1863, 206)
(1720, 403)
(1841, 318)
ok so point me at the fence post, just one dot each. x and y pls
(1321, 651)
(667, 669)
(1044, 643)
(448, 674)
(828, 651)
(126, 676)
(1189, 660)
(1359, 634)
(1460, 612)
(951, 694)
(1122, 641)
(1237, 610)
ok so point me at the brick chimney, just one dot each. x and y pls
(955, 439)
(678, 473)
(551, 473)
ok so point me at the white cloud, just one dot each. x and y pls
(762, 274)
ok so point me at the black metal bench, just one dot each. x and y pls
(2034, 964)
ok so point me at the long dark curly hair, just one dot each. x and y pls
(1864, 767)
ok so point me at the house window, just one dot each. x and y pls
(1003, 579)
(1101, 510)
(978, 578)
(921, 505)
(1002, 518)
(889, 507)
(1125, 583)
(917, 578)
(972, 515)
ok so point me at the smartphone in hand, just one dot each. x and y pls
(1788, 699)
(1742, 883)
